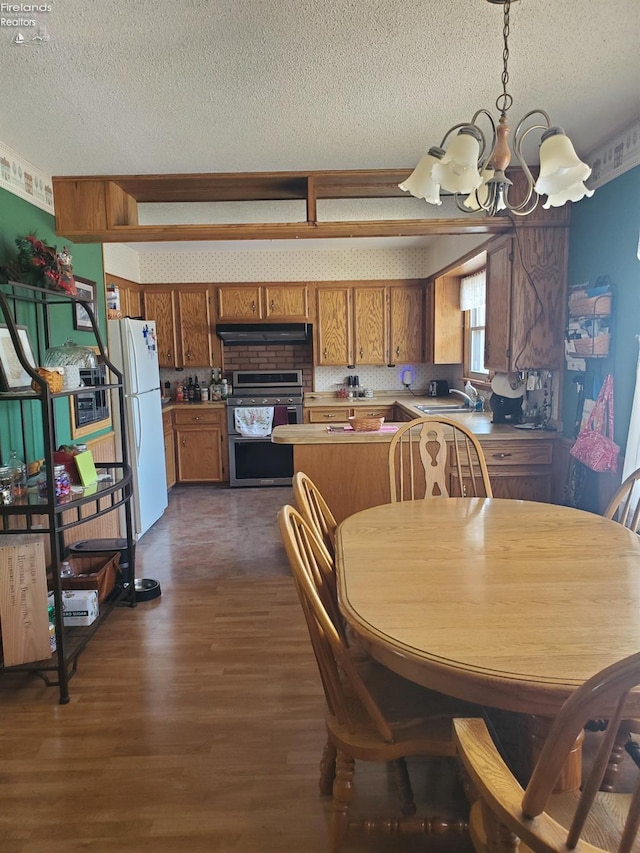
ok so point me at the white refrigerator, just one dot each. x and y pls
(133, 350)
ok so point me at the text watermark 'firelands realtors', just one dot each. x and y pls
(18, 17)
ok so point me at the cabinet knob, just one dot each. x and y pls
(183, 442)
(397, 350)
(197, 418)
(324, 352)
(361, 353)
(169, 355)
(188, 355)
(330, 415)
(272, 305)
(253, 306)
(501, 455)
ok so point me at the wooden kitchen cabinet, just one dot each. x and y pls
(444, 320)
(194, 324)
(169, 448)
(518, 470)
(183, 325)
(248, 302)
(130, 301)
(406, 324)
(159, 305)
(526, 293)
(369, 323)
(201, 445)
(334, 327)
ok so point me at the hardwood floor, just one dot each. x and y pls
(195, 721)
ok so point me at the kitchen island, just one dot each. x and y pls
(350, 468)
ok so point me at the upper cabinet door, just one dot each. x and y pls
(159, 305)
(407, 324)
(497, 341)
(195, 326)
(240, 303)
(334, 335)
(286, 302)
(371, 327)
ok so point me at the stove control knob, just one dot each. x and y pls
(264, 401)
(277, 400)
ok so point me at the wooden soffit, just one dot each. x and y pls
(104, 208)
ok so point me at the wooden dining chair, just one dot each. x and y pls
(436, 457)
(313, 507)
(542, 820)
(372, 714)
(624, 506)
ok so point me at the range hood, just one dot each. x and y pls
(263, 333)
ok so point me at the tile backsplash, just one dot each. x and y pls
(300, 357)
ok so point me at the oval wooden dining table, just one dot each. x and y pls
(511, 604)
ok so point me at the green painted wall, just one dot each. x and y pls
(17, 218)
(604, 241)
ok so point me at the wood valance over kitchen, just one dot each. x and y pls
(104, 208)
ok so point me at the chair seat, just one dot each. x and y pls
(605, 821)
(420, 719)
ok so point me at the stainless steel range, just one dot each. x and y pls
(262, 399)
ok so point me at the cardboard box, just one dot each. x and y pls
(79, 606)
(93, 571)
(23, 599)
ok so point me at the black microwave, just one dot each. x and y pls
(91, 403)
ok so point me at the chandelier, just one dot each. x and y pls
(472, 165)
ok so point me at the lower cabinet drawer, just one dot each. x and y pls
(318, 416)
(515, 453)
(385, 412)
(184, 417)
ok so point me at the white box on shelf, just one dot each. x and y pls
(79, 606)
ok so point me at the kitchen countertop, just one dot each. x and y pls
(479, 422)
(171, 405)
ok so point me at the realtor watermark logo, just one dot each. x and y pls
(25, 29)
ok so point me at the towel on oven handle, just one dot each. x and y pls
(252, 421)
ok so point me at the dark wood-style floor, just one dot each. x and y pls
(196, 720)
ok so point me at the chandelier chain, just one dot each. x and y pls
(504, 101)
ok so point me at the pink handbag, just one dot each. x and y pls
(594, 446)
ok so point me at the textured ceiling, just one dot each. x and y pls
(256, 85)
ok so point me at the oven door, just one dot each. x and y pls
(259, 462)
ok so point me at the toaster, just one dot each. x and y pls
(438, 388)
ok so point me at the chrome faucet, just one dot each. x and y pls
(470, 403)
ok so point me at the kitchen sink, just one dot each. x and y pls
(443, 410)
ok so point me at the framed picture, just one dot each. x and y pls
(13, 376)
(87, 292)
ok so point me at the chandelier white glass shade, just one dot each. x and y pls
(473, 171)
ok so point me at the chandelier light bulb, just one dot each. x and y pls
(479, 198)
(457, 172)
(420, 182)
(560, 167)
(575, 193)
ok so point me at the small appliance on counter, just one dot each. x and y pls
(506, 400)
(438, 388)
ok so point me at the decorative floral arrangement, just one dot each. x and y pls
(43, 266)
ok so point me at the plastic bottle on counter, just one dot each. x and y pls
(190, 390)
(179, 392)
(196, 391)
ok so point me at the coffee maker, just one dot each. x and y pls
(506, 400)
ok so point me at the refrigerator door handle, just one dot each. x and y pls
(137, 425)
(134, 358)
